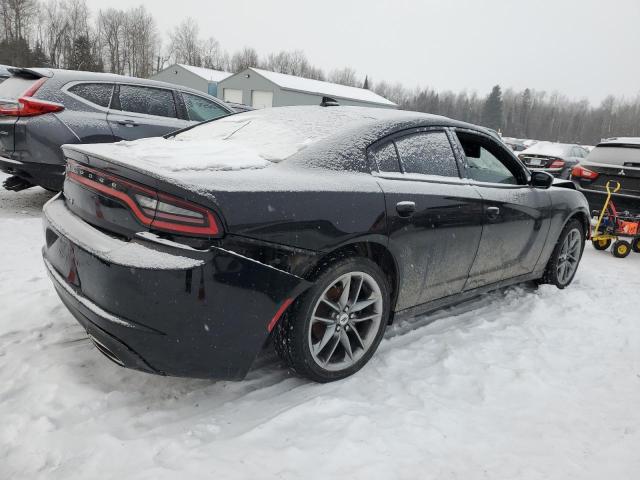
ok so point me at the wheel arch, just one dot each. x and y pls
(375, 251)
(583, 218)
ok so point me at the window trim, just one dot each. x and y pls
(182, 93)
(70, 85)
(523, 172)
(117, 105)
(402, 175)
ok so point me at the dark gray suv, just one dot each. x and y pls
(42, 109)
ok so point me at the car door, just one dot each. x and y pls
(432, 214)
(515, 216)
(139, 111)
(87, 116)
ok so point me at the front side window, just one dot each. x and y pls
(427, 153)
(96, 93)
(486, 162)
(201, 109)
(386, 158)
(147, 100)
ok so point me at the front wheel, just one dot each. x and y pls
(563, 264)
(332, 331)
(635, 245)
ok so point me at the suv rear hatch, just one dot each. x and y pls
(619, 162)
(16, 102)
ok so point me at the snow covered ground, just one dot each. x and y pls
(524, 383)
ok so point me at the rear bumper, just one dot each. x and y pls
(161, 309)
(46, 175)
(556, 172)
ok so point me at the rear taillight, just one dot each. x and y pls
(27, 106)
(155, 210)
(557, 163)
(581, 172)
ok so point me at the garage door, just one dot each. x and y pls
(232, 95)
(261, 99)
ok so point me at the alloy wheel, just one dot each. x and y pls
(345, 321)
(569, 256)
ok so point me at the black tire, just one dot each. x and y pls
(621, 248)
(551, 274)
(292, 334)
(635, 245)
(601, 244)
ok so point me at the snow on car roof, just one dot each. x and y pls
(548, 148)
(207, 73)
(247, 140)
(621, 140)
(291, 82)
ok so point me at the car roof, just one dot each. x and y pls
(65, 76)
(622, 141)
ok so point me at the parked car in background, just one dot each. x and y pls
(315, 226)
(617, 160)
(556, 158)
(42, 109)
(514, 144)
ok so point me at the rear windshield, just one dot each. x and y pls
(275, 134)
(616, 155)
(13, 87)
(548, 148)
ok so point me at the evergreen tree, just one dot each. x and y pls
(366, 83)
(82, 57)
(492, 115)
(38, 57)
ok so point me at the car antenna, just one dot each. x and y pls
(329, 102)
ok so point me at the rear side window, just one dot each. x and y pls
(428, 153)
(147, 100)
(201, 109)
(96, 93)
(386, 158)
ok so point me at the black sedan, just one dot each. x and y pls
(313, 227)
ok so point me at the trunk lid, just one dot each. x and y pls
(21, 82)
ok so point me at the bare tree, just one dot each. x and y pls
(185, 44)
(111, 25)
(245, 58)
(213, 56)
(344, 76)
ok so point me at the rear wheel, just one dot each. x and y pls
(621, 248)
(566, 255)
(601, 244)
(336, 326)
(635, 245)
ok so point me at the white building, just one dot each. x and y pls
(262, 88)
(204, 79)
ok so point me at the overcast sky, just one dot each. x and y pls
(581, 48)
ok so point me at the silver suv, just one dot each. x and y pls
(42, 109)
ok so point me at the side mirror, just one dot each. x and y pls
(541, 179)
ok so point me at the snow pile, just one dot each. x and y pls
(521, 384)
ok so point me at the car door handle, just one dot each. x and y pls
(493, 212)
(127, 123)
(405, 209)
